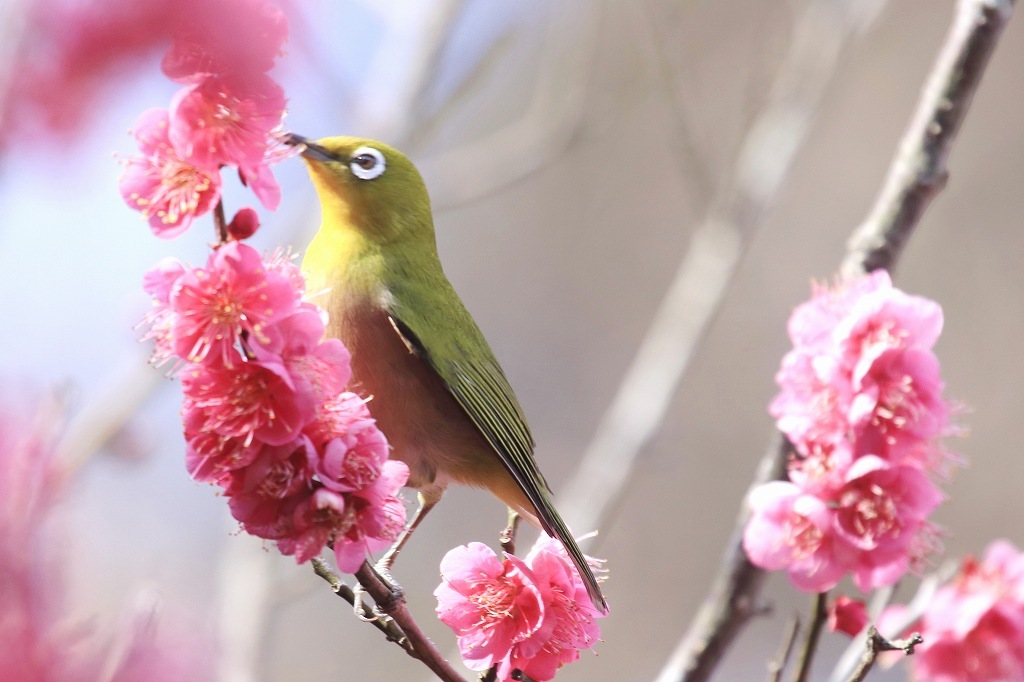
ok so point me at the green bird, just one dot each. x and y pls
(439, 394)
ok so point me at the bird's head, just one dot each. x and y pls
(367, 185)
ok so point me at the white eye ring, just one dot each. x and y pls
(367, 163)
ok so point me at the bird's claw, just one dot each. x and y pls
(396, 593)
(358, 608)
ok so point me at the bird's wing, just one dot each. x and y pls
(460, 356)
(442, 333)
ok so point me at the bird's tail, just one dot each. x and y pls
(552, 523)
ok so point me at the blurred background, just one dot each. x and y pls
(577, 154)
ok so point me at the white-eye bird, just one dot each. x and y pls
(438, 393)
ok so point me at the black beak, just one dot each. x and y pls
(310, 150)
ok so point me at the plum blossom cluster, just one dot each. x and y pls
(530, 614)
(973, 628)
(861, 402)
(227, 114)
(266, 414)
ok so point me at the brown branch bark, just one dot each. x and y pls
(385, 625)
(393, 606)
(917, 173)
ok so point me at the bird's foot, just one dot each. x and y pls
(395, 594)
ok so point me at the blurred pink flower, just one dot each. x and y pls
(881, 511)
(159, 282)
(898, 403)
(234, 295)
(792, 531)
(814, 322)
(224, 37)
(860, 400)
(166, 189)
(814, 401)
(490, 604)
(974, 627)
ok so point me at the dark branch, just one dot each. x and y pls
(220, 223)
(803, 668)
(918, 172)
(385, 625)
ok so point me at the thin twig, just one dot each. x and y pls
(392, 604)
(220, 223)
(877, 644)
(807, 651)
(385, 625)
(918, 172)
(875, 244)
(911, 614)
(777, 665)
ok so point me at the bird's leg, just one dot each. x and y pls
(428, 499)
(508, 535)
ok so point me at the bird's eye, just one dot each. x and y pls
(367, 163)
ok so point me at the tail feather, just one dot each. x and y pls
(554, 526)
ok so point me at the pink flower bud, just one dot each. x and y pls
(244, 224)
(847, 615)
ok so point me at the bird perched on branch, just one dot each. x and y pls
(439, 394)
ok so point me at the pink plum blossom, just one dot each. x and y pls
(168, 190)
(813, 323)
(230, 121)
(252, 400)
(792, 531)
(159, 282)
(973, 628)
(898, 403)
(233, 295)
(881, 511)
(532, 615)
(490, 604)
(374, 518)
(353, 459)
(860, 400)
(569, 615)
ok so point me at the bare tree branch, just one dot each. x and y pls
(918, 172)
(807, 651)
(777, 665)
(393, 606)
(877, 644)
(961, 63)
